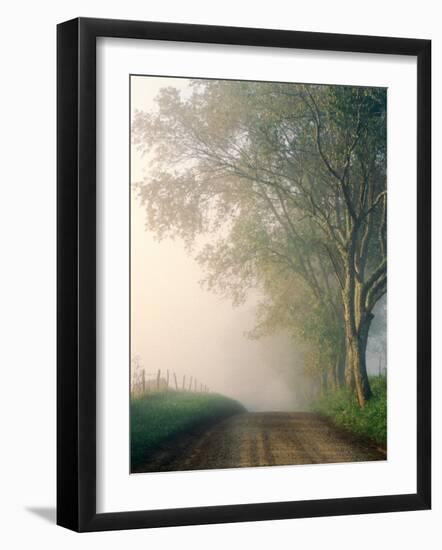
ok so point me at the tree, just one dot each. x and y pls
(292, 179)
(356, 164)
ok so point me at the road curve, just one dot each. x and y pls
(263, 439)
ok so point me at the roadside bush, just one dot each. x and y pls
(371, 421)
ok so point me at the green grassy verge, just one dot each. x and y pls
(156, 418)
(371, 421)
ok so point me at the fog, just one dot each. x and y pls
(179, 327)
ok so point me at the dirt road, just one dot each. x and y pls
(263, 439)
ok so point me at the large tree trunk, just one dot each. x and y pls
(349, 373)
(356, 356)
(357, 325)
(340, 365)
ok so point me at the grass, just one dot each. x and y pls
(371, 421)
(158, 418)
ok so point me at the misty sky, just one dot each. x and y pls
(177, 325)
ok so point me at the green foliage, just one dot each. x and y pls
(157, 418)
(286, 183)
(370, 421)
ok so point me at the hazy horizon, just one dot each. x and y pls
(178, 326)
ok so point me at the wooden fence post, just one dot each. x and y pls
(176, 381)
(158, 379)
(167, 380)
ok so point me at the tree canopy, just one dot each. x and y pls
(289, 181)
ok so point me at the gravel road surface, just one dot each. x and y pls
(263, 439)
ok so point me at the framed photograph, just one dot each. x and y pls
(230, 202)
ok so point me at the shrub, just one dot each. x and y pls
(370, 421)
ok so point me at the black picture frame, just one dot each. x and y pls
(77, 287)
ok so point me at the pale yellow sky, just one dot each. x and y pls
(177, 325)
